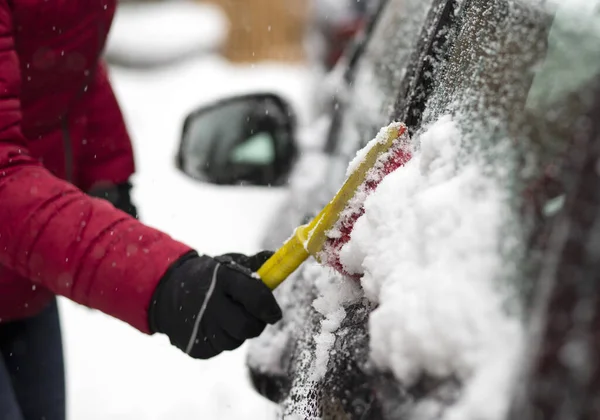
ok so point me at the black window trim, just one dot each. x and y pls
(414, 81)
(419, 81)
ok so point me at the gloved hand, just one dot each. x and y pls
(207, 305)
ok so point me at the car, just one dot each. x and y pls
(508, 92)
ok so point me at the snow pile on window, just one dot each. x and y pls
(431, 248)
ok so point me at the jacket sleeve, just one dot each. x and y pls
(107, 156)
(53, 234)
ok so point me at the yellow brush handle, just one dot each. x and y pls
(291, 255)
(309, 239)
(283, 263)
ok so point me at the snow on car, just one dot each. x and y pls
(429, 245)
(459, 246)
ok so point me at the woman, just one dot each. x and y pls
(62, 135)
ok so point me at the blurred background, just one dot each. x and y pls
(167, 58)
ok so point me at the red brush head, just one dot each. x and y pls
(396, 156)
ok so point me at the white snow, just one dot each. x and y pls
(267, 353)
(429, 245)
(160, 31)
(334, 291)
(117, 373)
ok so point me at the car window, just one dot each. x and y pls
(380, 72)
(560, 91)
(519, 61)
(490, 64)
(378, 76)
(385, 61)
(520, 73)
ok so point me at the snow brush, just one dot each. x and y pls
(324, 237)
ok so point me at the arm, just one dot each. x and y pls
(53, 234)
(85, 249)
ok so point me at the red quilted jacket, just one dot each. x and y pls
(59, 120)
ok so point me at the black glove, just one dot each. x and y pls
(118, 195)
(207, 305)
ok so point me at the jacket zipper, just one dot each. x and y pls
(67, 147)
(66, 135)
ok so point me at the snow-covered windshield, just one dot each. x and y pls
(430, 246)
(572, 59)
(517, 68)
(559, 93)
(443, 242)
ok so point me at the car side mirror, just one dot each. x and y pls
(241, 140)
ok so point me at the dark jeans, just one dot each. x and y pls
(32, 380)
